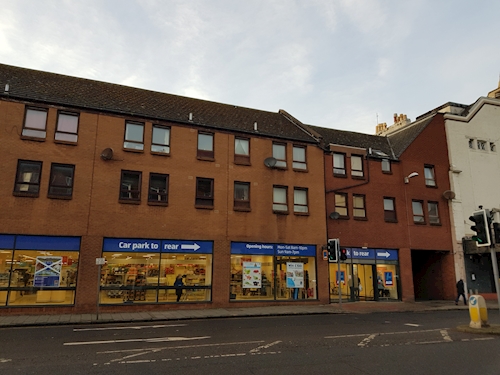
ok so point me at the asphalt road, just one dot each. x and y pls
(385, 344)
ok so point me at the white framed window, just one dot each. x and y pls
(300, 200)
(299, 158)
(356, 166)
(280, 203)
(279, 153)
(339, 164)
(358, 206)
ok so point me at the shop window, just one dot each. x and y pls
(358, 206)
(300, 201)
(341, 204)
(130, 187)
(134, 136)
(339, 165)
(241, 196)
(357, 166)
(432, 208)
(61, 181)
(430, 178)
(204, 192)
(67, 127)
(205, 146)
(418, 212)
(160, 142)
(28, 178)
(299, 158)
(252, 277)
(242, 151)
(158, 189)
(386, 166)
(35, 123)
(279, 153)
(280, 202)
(390, 210)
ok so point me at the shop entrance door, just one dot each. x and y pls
(365, 274)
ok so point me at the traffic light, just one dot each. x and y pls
(333, 245)
(481, 227)
(343, 254)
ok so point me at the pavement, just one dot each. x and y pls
(360, 307)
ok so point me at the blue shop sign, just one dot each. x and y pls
(201, 247)
(254, 248)
(47, 243)
(357, 253)
(387, 254)
(131, 245)
(6, 241)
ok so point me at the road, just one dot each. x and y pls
(378, 343)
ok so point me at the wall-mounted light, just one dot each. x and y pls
(412, 174)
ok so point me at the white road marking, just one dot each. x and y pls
(446, 336)
(4, 360)
(257, 349)
(154, 339)
(412, 325)
(384, 333)
(133, 327)
(195, 357)
(367, 340)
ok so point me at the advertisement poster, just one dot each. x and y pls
(294, 275)
(47, 271)
(252, 275)
(342, 277)
(388, 279)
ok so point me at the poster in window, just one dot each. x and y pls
(342, 277)
(388, 279)
(294, 275)
(252, 275)
(47, 271)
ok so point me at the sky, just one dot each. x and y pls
(342, 64)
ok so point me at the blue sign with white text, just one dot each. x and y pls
(387, 254)
(362, 253)
(202, 247)
(253, 248)
(156, 246)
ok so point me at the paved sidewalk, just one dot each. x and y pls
(150, 316)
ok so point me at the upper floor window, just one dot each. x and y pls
(204, 192)
(356, 166)
(205, 145)
(160, 142)
(242, 196)
(471, 143)
(386, 166)
(299, 158)
(339, 164)
(390, 209)
(67, 127)
(28, 178)
(130, 186)
(430, 178)
(35, 123)
(280, 203)
(134, 136)
(242, 150)
(481, 145)
(300, 201)
(493, 147)
(358, 206)
(341, 204)
(418, 212)
(279, 153)
(158, 188)
(432, 207)
(61, 181)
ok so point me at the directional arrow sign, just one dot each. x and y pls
(383, 254)
(194, 247)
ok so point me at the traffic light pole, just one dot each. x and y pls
(339, 278)
(494, 261)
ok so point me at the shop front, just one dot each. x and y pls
(272, 272)
(145, 271)
(367, 274)
(38, 270)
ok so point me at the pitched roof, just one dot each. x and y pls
(57, 89)
(402, 138)
(353, 139)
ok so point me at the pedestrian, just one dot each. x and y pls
(460, 292)
(178, 286)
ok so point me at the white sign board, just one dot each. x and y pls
(252, 275)
(100, 261)
(294, 275)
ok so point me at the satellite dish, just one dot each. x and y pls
(334, 215)
(449, 195)
(270, 162)
(107, 154)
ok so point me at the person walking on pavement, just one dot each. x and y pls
(460, 292)
(178, 287)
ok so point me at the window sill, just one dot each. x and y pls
(27, 195)
(155, 203)
(301, 213)
(431, 186)
(280, 168)
(281, 212)
(436, 224)
(65, 143)
(133, 150)
(63, 197)
(301, 170)
(203, 158)
(387, 172)
(160, 153)
(339, 175)
(343, 218)
(358, 177)
(125, 201)
(391, 221)
(242, 209)
(419, 223)
(360, 218)
(27, 138)
(203, 207)
(242, 163)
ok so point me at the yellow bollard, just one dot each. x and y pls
(478, 312)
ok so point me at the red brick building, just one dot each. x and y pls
(230, 199)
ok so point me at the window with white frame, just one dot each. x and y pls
(339, 164)
(279, 153)
(300, 201)
(358, 206)
(299, 158)
(280, 203)
(356, 166)
(341, 204)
